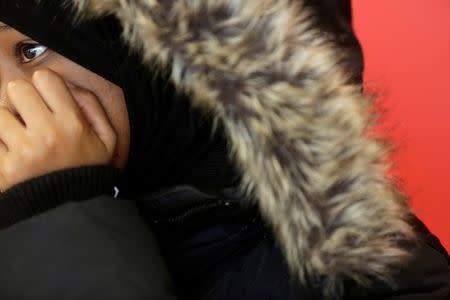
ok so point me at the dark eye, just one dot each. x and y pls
(29, 52)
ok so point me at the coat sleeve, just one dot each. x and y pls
(425, 277)
(60, 240)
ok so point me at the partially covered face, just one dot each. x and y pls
(20, 56)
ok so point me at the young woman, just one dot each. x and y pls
(240, 141)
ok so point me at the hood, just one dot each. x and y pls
(299, 127)
(170, 143)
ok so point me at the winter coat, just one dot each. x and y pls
(64, 236)
(314, 217)
(297, 124)
(217, 250)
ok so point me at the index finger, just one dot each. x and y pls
(55, 92)
(27, 102)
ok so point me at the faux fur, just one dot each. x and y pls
(298, 128)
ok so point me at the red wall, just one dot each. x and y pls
(407, 51)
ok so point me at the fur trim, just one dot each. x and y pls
(298, 128)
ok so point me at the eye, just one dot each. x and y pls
(27, 52)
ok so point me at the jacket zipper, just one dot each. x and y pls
(195, 211)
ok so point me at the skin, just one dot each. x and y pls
(54, 113)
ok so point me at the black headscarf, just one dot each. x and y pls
(171, 143)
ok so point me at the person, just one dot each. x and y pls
(223, 144)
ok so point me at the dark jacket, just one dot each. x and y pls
(92, 246)
(217, 250)
(214, 249)
(314, 215)
(298, 125)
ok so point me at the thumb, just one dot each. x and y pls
(96, 117)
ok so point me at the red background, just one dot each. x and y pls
(406, 45)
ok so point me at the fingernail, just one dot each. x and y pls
(12, 84)
(36, 74)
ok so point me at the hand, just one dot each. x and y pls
(57, 129)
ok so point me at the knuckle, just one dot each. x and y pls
(27, 153)
(50, 138)
(77, 127)
(8, 169)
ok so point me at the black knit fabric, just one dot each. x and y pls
(48, 191)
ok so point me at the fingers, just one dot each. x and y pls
(55, 93)
(50, 99)
(74, 130)
(96, 117)
(28, 102)
(11, 130)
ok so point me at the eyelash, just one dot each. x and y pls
(21, 46)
